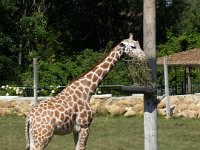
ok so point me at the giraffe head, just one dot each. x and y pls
(132, 47)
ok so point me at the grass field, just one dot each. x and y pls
(111, 133)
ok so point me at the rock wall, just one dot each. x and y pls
(181, 105)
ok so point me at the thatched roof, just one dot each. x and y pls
(184, 58)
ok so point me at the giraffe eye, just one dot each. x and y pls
(133, 47)
(122, 45)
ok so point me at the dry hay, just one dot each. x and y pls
(139, 72)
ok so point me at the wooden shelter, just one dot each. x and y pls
(187, 59)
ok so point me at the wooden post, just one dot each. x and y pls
(189, 81)
(166, 87)
(185, 82)
(150, 100)
(35, 86)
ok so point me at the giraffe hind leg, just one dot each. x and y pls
(40, 142)
(82, 138)
(30, 145)
(27, 125)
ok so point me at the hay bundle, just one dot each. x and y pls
(139, 72)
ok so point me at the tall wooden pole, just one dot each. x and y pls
(166, 87)
(189, 81)
(150, 100)
(35, 86)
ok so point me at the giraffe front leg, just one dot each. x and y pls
(80, 138)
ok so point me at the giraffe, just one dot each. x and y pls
(69, 111)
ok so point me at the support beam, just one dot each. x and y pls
(35, 84)
(166, 87)
(189, 80)
(150, 100)
(138, 89)
(185, 80)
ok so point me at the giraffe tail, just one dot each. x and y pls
(27, 126)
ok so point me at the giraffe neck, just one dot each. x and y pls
(88, 83)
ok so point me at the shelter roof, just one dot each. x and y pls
(184, 58)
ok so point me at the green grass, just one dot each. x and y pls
(111, 133)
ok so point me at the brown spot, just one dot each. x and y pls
(62, 97)
(56, 113)
(81, 108)
(99, 71)
(57, 105)
(61, 108)
(66, 119)
(84, 96)
(44, 120)
(109, 59)
(104, 73)
(37, 113)
(33, 110)
(94, 69)
(113, 55)
(82, 115)
(53, 101)
(89, 114)
(80, 88)
(45, 107)
(50, 113)
(48, 119)
(93, 87)
(69, 111)
(38, 119)
(40, 110)
(69, 98)
(71, 104)
(75, 107)
(35, 131)
(50, 103)
(44, 131)
(53, 120)
(87, 90)
(44, 113)
(88, 83)
(84, 122)
(71, 91)
(95, 78)
(66, 94)
(105, 65)
(50, 107)
(117, 56)
(83, 82)
(78, 93)
(62, 116)
(73, 87)
(87, 106)
(89, 76)
(75, 98)
(60, 101)
(80, 102)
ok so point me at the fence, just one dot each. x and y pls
(178, 89)
(28, 91)
(115, 90)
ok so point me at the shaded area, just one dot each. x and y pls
(188, 60)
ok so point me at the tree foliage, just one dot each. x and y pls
(69, 37)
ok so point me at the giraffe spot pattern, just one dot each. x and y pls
(69, 110)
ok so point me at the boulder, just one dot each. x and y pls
(129, 112)
(115, 110)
